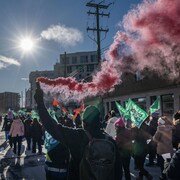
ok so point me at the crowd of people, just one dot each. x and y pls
(87, 149)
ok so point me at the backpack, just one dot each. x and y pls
(98, 160)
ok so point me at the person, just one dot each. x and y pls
(110, 128)
(78, 142)
(57, 159)
(163, 138)
(140, 149)
(124, 142)
(152, 145)
(106, 118)
(37, 133)
(78, 121)
(6, 126)
(17, 133)
(176, 130)
(28, 133)
(172, 166)
(0, 120)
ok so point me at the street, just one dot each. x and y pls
(31, 166)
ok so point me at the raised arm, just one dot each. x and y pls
(57, 131)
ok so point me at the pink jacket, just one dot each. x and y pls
(17, 128)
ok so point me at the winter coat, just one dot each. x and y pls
(172, 169)
(17, 128)
(36, 130)
(176, 133)
(76, 141)
(110, 128)
(163, 138)
(7, 124)
(140, 137)
(153, 126)
(27, 127)
(124, 142)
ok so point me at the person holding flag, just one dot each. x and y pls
(140, 136)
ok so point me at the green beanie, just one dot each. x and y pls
(90, 114)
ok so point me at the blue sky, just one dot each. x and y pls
(55, 26)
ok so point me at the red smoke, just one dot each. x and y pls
(152, 33)
(69, 88)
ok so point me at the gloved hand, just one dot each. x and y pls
(38, 96)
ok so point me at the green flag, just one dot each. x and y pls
(136, 114)
(52, 113)
(120, 108)
(34, 115)
(155, 106)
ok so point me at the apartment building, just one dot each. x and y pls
(9, 100)
(79, 65)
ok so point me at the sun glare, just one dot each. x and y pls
(26, 44)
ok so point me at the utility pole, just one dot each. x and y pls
(65, 66)
(97, 13)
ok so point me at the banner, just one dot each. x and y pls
(50, 142)
(135, 113)
(155, 106)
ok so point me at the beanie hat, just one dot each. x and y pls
(155, 114)
(90, 114)
(119, 123)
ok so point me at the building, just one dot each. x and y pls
(79, 65)
(144, 91)
(27, 98)
(9, 100)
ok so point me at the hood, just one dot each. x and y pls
(165, 127)
(17, 121)
(176, 122)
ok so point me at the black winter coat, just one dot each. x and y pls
(172, 169)
(36, 130)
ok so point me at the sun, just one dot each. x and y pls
(26, 44)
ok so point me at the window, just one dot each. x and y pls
(167, 102)
(114, 107)
(65, 62)
(80, 68)
(84, 59)
(93, 58)
(74, 60)
(69, 69)
(141, 102)
(90, 67)
(138, 76)
(152, 99)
